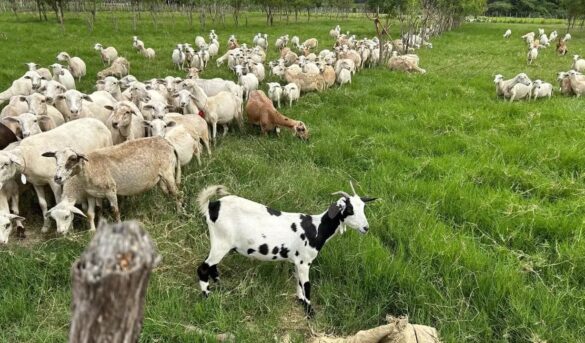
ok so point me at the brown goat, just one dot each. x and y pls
(261, 112)
(562, 47)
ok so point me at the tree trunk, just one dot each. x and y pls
(109, 284)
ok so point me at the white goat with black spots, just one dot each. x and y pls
(257, 231)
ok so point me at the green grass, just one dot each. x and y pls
(479, 232)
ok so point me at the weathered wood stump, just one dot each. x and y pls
(109, 284)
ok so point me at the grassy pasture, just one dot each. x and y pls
(479, 232)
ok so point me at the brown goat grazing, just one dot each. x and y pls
(261, 112)
(6, 136)
(562, 47)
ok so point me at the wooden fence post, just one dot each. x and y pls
(109, 283)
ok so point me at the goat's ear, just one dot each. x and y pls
(48, 154)
(368, 199)
(333, 211)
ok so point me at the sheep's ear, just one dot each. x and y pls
(333, 211)
(175, 94)
(48, 154)
(82, 157)
(101, 82)
(169, 107)
(87, 98)
(12, 119)
(146, 123)
(22, 98)
(368, 199)
(109, 108)
(27, 77)
(171, 123)
(148, 107)
(60, 96)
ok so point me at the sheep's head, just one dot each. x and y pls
(499, 78)
(562, 75)
(35, 79)
(121, 116)
(10, 164)
(301, 130)
(28, 122)
(74, 100)
(63, 57)
(158, 127)
(523, 79)
(7, 222)
(69, 163)
(98, 46)
(52, 89)
(63, 214)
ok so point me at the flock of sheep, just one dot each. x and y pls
(521, 87)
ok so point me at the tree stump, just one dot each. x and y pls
(109, 284)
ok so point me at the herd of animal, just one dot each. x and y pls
(521, 87)
(129, 136)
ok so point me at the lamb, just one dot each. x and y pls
(578, 64)
(76, 65)
(562, 48)
(129, 168)
(567, 37)
(275, 92)
(247, 80)
(193, 73)
(200, 42)
(15, 107)
(261, 112)
(503, 87)
(137, 44)
(84, 135)
(334, 33)
(221, 109)
(257, 231)
(43, 72)
(25, 85)
(80, 105)
(344, 63)
(183, 143)
(529, 37)
(213, 48)
(507, 34)
(63, 76)
(149, 53)
(257, 69)
(295, 41)
(281, 42)
(292, 92)
(119, 68)
(328, 74)
(9, 195)
(344, 76)
(541, 89)
(125, 122)
(544, 40)
(108, 55)
(553, 35)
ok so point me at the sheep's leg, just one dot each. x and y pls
(14, 209)
(209, 267)
(214, 128)
(113, 199)
(40, 190)
(91, 212)
(303, 276)
(57, 190)
(206, 143)
(225, 129)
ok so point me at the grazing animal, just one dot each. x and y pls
(261, 112)
(260, 232)
(507, 34)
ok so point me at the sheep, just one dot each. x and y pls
(186, 102)
(63, 76)
(578, 64)
(15, 107)
(212, 87)
(218, 109)
(532, 55)
(84, 135)
(137, 44)
(43, 72)
(108, 55)
(200, 42)
(544, 40)
(7, 136)
(553, 35)
(344, 77)
(76, 65)
(540, 32)
(30, 124)
(503, 87)
(257, 231)
(352, 55)
(178, 57)
(344, 63)
(111, 85)
(212, 35)
(520, 91)
(261, 112)
(247, 80)
(25, 85)
(334, 33)
(213, 48)
(408, 63)
(80, 105)
(193, 73)
(149, 53)
(125, 122)
(292, 92)
(257, 69)
(119, 68)
(204, 58)
(9, 195)
(529, 37)
(564, 83)
(507, 34)
(183, 143)
(567, 37)
(577, 83)
(306, 82)
(51, 89)
(275, 92)
(281, 42)
(541, 89)
(37, 105)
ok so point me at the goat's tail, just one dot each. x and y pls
(208, 193)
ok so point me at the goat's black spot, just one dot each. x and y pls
(251, 251)
(297, 253)
(203, 272)
(275, 250)
(284, 252)
(317, 237)
(263, 249)
(301, 261)
(307, 287)
(213, 210)
(273, 212)
(305, 243)
(274, 257)
(303, 236)
(213, 272)
(308, 226)
(294, 227)
(263, 236)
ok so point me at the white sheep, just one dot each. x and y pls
(520, 91)
(541, 89)
(578, 64)
(137, 44)
(544, 40)
(25, 85)
(291, 92)
(178, 57)
(76, 65)
(532, 54)
(200, 42)
(149, 53)
(37, 105)
(504, 87)
(255, 230)
(9, 211)
(247, 80)
(183, 143)
(125, 122)
(567, 37)
(275, 92)
(79, 105)
(108, 55)
(186, 102)
(507, 34)
(44, 72)
(344, 76)
(553, 35)
(63, 76)
(111, 85)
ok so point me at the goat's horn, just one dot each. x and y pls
(352, 189)
(342, 193)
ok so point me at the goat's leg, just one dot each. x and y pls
(209, 268)
(303, 276)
